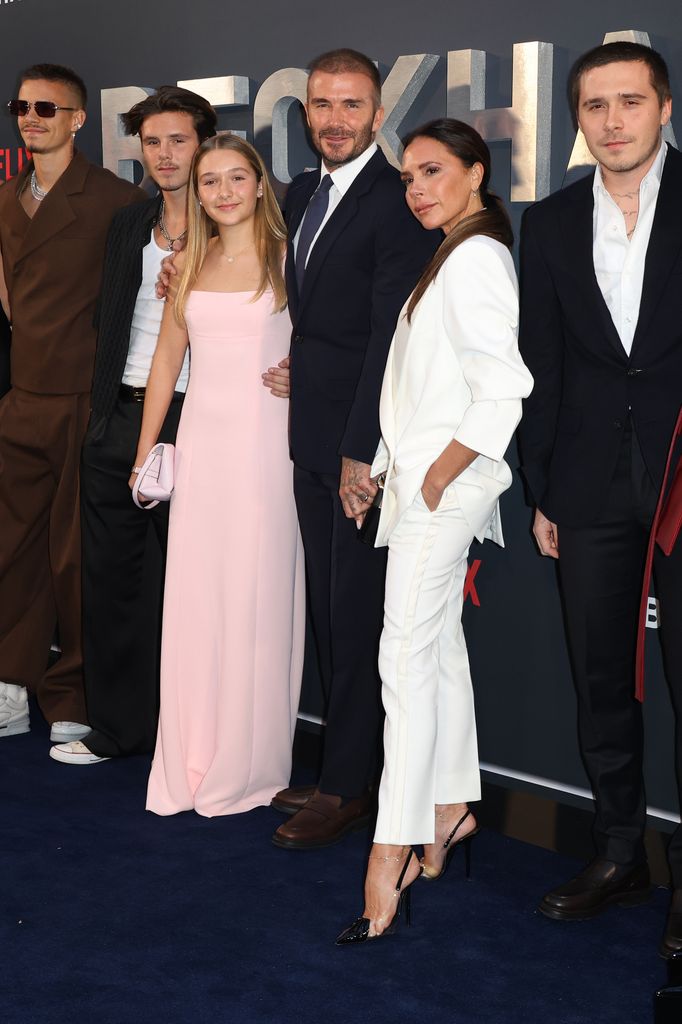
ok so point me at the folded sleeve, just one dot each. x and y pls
(480, 313)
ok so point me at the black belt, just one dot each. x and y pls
(128, 393)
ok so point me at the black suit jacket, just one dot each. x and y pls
(585, 384)
(121, 278)
(361, 269)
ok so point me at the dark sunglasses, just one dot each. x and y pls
(43, 108)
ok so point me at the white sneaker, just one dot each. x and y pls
(65, 732)
(75, 753)
(13, 710)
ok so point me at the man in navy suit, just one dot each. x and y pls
(601, 332)
(354, 255)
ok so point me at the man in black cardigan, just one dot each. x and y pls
(124, 546)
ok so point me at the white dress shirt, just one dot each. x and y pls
(619, 261)
(342, 179)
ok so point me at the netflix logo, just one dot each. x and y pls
(470, 592)
(12, 160)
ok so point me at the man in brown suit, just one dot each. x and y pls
(54, 218)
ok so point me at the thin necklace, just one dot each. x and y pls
(162, 228)
(37, 192)
(236, 255)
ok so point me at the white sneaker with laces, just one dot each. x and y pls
(65, 732)
(13, 710)
(75, 753)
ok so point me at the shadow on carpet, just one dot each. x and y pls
(111, 915)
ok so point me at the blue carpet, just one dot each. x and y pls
(110, 915)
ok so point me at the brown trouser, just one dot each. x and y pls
(40, 547)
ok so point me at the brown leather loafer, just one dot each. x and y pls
(322, 822)
(672, 936)
(292, 799)
(601, 884)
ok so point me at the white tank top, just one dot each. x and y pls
(146, 323)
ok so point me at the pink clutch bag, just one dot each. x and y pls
(156, 477)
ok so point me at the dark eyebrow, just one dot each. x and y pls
(420, 167)
(621, 95)
(346, 99)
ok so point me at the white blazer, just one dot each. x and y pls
(455, 372)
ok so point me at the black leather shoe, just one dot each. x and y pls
(672, 936)
(601, 884)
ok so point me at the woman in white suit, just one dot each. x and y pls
(450, 402)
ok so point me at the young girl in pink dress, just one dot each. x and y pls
(233, 620)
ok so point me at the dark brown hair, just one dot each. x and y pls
(336, 62)
(466, 144)
(171, 98)
(612, 53)
(57, 73)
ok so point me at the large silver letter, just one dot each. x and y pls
(399, 91)
(223, 91)
(274, 99)
(120, 152)
(527, 122)
(580, 154)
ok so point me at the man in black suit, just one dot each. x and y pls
(354, 255)
(601, 332)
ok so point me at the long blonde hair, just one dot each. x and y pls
(269, 229)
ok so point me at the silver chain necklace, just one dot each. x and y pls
(36, 191)
(162, 228)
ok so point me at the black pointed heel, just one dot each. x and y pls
(448, 845)
(358, 931)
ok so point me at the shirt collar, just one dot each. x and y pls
(344, 176)
(652, 176)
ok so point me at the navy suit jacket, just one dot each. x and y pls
(363, 266)
(586, 385)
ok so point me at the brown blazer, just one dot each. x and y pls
(53, 267)
(665, 531)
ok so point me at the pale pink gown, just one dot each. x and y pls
(233, 618)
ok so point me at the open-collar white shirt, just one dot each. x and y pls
(619, 261)
(342, 179)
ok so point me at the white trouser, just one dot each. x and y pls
(430, 750)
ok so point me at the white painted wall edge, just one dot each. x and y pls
(533, 780)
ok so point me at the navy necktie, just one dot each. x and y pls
(314, 215)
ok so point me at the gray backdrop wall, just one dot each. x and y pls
(526, 708)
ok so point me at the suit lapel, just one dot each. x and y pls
(577, 228)
(55, 212)
(342, 215)
(664, 243)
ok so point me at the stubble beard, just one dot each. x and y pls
(361, 141)
(617, 167)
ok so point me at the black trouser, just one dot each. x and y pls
(601, 568)
(123, 566)
(346, 600)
